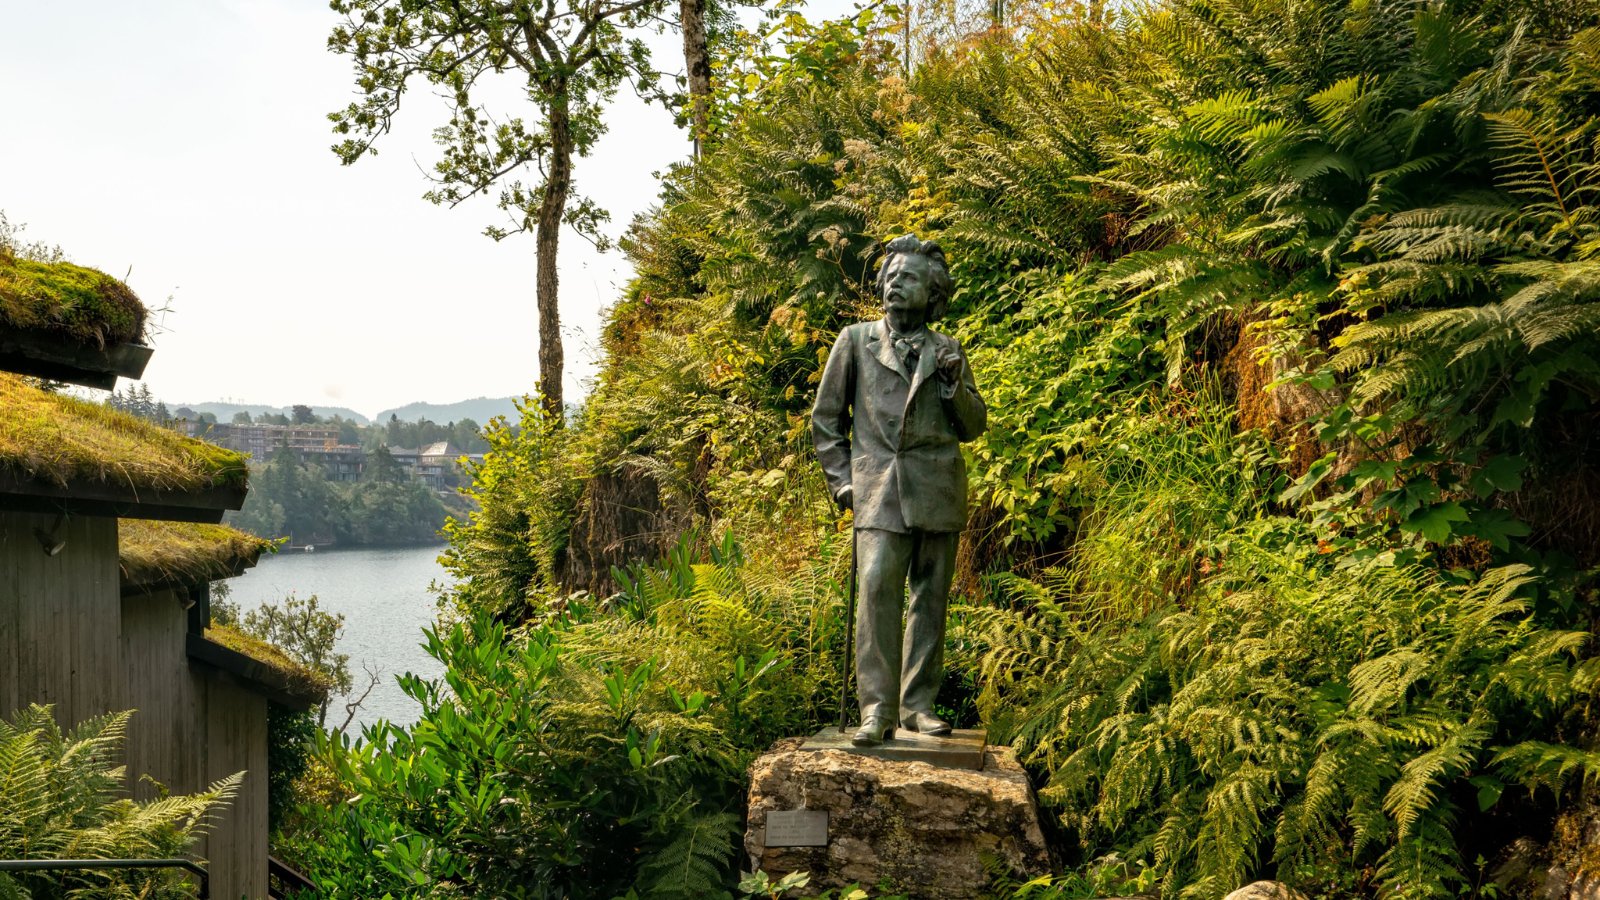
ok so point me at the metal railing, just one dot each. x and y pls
(288, 879)
(48, 865)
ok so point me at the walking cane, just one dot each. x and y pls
(849, 637)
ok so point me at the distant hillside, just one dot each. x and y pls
(480, 410)
(224, 411)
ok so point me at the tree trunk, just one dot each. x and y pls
(697, 63)
(547, 243)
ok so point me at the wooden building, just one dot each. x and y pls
(108, 545)
(201, 691)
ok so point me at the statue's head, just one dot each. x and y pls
(913, 277)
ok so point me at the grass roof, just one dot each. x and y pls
(156, 552)
(81, 304)
(68, 442)
(300, 680)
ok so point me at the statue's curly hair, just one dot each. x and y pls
(939, 290)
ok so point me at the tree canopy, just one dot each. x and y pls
(568, 59)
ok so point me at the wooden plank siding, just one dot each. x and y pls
(236, 723)
(168, 728)
(59, 617)
(67, 637)
(193, 727)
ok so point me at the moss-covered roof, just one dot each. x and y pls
(69, 301)
(298, 680)
(83, 305)
(164, 553)
(57, 445)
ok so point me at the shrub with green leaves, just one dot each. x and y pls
(62, 796)
(598, 750)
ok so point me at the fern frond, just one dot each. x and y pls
(697, 862)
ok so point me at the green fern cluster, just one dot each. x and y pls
(63, 798)
(1389, 203)
(1277, 712)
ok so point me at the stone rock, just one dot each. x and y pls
(1584, 887)
(1556, 883)
(1265, 890)
(926, 830)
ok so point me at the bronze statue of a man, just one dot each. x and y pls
(896, 401)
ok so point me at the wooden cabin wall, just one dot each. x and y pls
(193, 727)
(68, 638)
(59, 616)
(236, 727)
(167, 729)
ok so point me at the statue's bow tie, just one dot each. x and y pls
(909, 347)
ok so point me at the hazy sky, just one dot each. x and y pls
(184, 144)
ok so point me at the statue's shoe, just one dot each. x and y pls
(924, 723)
(874, 731)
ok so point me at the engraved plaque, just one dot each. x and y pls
(797, 828)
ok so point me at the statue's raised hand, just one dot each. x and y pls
(947, 363)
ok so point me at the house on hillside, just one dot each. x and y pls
(342, 463)
(436, 464)
(317, 444)
(406, 458)
(260, 440)
(108, 544)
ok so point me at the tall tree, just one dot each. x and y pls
(697, 68)
(570, 57)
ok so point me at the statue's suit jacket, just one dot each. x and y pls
(891, 436)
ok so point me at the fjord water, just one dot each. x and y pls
(383, 593)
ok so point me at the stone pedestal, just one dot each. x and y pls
(961, 749)
(924, 829)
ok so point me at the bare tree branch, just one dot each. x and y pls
(374, 674)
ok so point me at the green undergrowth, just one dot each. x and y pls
(596, 749)
(61, 440)
(68, 301)
(1261, 707)
(1282, 550)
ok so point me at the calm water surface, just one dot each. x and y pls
(383, 593)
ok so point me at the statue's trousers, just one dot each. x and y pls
(899, 670)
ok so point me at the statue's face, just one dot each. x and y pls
(907, 278)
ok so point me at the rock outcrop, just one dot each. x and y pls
(1265, 890)
(926, 830)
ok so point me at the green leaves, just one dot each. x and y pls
(1434, 522)
(1499, 473)
(1315, 474)
(587, 753)
(66, 798)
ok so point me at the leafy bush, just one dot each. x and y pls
(593, 751)
(63, 800)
